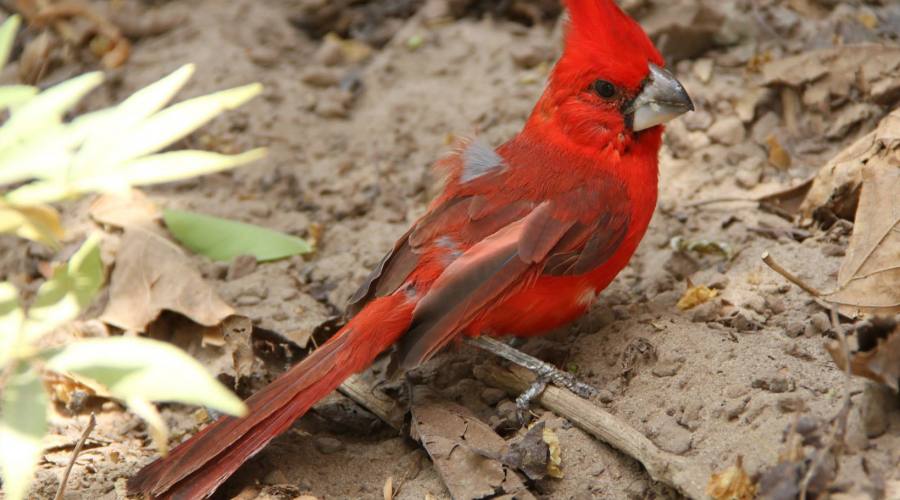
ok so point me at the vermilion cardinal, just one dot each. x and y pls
(521, 240)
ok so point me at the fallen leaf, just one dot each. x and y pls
(133, 209)
(695, 295)
(223, 239)
(836, 72)
(151, 274)
(352, 51)
(554, 466)
(450, 434)
(878, 357)
(731, 484)
(530, 453)
(867, 171)
(778, 156)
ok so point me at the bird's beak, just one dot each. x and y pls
(662, 99)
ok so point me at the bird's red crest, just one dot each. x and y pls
(603, 41)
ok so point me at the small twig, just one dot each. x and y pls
(726, 199)
(84, 435)
(775, 266)
(836, 439)
(684, 475)
(839, 421)
(372, 399)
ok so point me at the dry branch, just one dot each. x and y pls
(685, 476)
(372, 399)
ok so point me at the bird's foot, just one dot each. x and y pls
(546, 373)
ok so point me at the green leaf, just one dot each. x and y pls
(12, 317)
(7, 37)
(72, 288)
(23, 423)
(223, 239)
(138, 368)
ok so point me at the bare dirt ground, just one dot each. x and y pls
(350, 144)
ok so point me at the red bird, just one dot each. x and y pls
(521, 240)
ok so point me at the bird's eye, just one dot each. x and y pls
(604, 89)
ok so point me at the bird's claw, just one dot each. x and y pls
(523, 402)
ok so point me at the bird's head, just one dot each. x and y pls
(610, 81)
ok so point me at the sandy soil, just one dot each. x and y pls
(725, 379)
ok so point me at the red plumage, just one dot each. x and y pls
(520, 241)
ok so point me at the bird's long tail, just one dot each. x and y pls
(195, 468)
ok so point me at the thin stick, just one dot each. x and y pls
(78, 446)
(727, 199)
(371, 398)
(682, 474)
(840, 419)
(775, 266)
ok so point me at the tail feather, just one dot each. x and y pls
(195, 468)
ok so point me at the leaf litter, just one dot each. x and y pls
(865, 179)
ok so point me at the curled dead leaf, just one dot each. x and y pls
(878, 358)
(554, 465)
(865, 179)
(130, 210)
(732, 484)
(695, 295)
(151, 275)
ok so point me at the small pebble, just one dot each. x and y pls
(877, 402)
(775, 304)
(667, 367)
(733, 409)
(728, 130)
(774, 383)
(492, 396)
(794, 328)
(328, 445)
(319, 76)
(820, 322)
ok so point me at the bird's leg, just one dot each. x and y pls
(545, 372)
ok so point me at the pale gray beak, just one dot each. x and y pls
(662, 99)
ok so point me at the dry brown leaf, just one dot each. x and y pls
(131, 210)
(732, 484)
(879, 356)
(870, 272)
(151, 274)
(352, 51)
(554, 465)
(871, 68)
(778, 156)
(450, 434)
(696, 295)
(530, 453)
